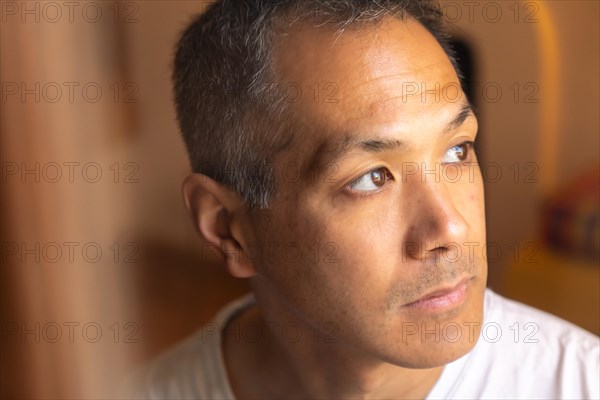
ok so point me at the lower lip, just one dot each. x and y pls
(442, 302)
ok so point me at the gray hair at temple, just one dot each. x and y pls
(232, 112)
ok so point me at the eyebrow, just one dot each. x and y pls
(335, 150)
(465, 111)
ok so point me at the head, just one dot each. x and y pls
(331, 148)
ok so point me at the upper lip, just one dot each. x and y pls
(441, 291)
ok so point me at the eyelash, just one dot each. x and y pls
(471, 150)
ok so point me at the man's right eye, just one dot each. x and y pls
(372, 180)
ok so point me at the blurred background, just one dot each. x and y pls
(101, 268)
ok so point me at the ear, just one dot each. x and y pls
(221, 218)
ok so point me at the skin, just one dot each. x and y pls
(357, 256)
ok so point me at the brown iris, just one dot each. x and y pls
(378, 177)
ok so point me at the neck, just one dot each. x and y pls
(294, 360)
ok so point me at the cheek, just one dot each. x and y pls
(476, 208)
(468, 197)
(344, 260)
(367, 247)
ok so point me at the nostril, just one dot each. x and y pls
(412, 248)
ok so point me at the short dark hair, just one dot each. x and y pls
(230, 110)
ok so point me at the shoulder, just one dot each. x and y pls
(192, 369)
(526, 352)
(177, 373)
(528, 325)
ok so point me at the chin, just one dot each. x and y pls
(433, 340)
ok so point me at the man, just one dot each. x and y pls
(332, 147)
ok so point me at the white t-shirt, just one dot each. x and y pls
(522, 353)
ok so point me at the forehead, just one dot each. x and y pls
(366, 78)
(384, 78)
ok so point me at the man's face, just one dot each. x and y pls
(388, 207)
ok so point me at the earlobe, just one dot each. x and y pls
(211, 206)
(236, 260)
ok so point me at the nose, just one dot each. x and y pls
(435, 225)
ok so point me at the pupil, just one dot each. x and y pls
(378, 178)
